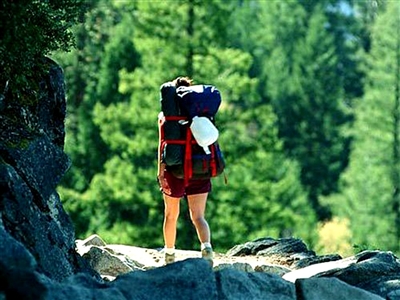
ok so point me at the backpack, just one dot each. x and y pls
(199, 100)
(178, 148)
(171, 129)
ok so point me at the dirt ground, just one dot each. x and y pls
(151, 258)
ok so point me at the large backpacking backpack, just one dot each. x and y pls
(199, 100)
(178, 149)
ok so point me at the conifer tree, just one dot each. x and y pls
(308, 95)
(29, 31)
(370, 187)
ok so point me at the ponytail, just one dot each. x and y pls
(182, 81)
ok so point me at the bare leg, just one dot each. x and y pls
(171, 214)
(197, 206)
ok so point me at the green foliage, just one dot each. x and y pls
(369, 195)
(306, 67)
(34, 28)
(307, 95)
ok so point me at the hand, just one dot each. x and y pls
(164, 186)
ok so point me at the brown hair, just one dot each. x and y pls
(182, 81)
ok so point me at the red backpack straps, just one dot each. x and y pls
(187, 142)
(173, 141)
(213, 163)
(188, 173)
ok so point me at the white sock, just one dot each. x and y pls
(169, 250)
(205, 245)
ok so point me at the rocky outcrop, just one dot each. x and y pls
(367, 275)
(40, 259)
(32, 162)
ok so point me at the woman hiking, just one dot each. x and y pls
(173, 189)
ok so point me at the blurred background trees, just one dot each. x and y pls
(309, 122)
(370, 193)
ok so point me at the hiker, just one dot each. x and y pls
(173, 189)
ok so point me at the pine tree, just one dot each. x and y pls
(308, 95)
(30, 30)
(370, 186)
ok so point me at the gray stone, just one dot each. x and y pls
(330, 289)
(305, 262)
(93, 240)
(374, 271)
(274, 269)
(285, 246)
(32, 162)
(284, 251)
(20, 283)
(318, 269)
(233, 284)
(13, 254)
(189, 279)
(245, 267)
(251, 248)
(41, 164)
(106, 263)
(393, 295)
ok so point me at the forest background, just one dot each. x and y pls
(309, 125)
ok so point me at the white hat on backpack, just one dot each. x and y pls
(204, 132)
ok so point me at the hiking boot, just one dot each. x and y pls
(169, 258)
(208, 255)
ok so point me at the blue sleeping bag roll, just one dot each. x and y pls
(172, 154)
(199, 100)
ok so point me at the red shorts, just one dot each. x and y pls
(195, 186)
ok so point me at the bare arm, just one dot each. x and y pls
(161, 166)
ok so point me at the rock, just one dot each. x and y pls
(34, 226)
(314, 270)
(305, 262)
(285, 246)
(274, 269)
(329, 266)
(32, 162)
(233, 284)
(93, 240)
(189, 279)
(285, 251)
(53, 107)
(17, 269)
(374, 271)
(393, 295)
(253, 247)
(13, 254)
(269, 246)
(237, 266)
(106, 263)
(330, 289)
(20, 283)
(41, 165)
